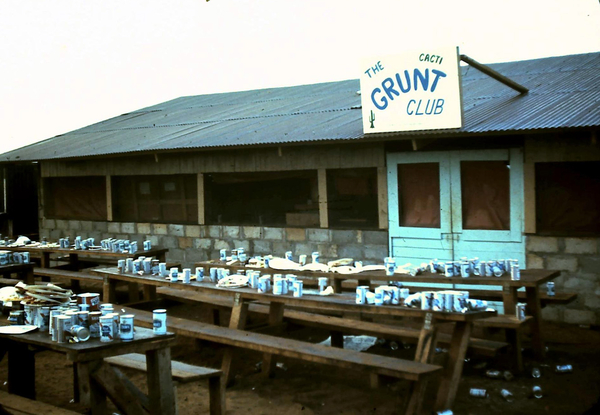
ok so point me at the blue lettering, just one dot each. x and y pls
(423, 78)
(388, 87)
(429, 109)
(437, 74)
(384, 101)
(408, 110)
(418, 108)
(399, 82)
(439, 106)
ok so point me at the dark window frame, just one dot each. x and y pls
(75, 198)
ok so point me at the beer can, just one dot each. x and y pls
(106, 309)
(302, 259)
(129, 265)
(460, 300)
(137, 265)
(187, 275)
(83, 319)
(520, 311)
(277, 285)
(290, 278)
(437, 302)
(159, 321)
(404, 293)
(494, 374)
(288, 255)
(298, 286)
(199, 274)
(448, 301)
(29, 314)
(478, 393)
(390, 267)
(536, 392)
(223, 254)
(121, 266)
(162, 269)
(361, 294)
(147, 265)
(563, 368)
(253, 278)
(507, 395)
(323, 283)
(25, 256)
(426, 300)
(395, 292)
(315, 257)
(63, 325)
(147, 245)
(54, 324)
(489, 268)
(264, 284)
(174, 274)
(550, 288)
(449, 269)
(378, 296)
(94, 321)
(16, 318)
(107, 333)
(213, 274)
(126, 327)
(515, 271)
(465, 269)
(73, 315)
(79, 333)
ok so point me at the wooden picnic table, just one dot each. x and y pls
(531, 280)
(23, 271)
(344, 302)
(96, 378)
(45, 251)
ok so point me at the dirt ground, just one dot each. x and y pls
(299, 388)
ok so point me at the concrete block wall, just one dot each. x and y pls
(188, 244)
(578, 259)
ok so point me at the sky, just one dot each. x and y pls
(66, 64)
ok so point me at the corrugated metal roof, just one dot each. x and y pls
(564, 92)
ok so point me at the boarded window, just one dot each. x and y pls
(485, 188)
(159, 199)
(77, 198)
(352, 198)
(568, 198)
(419, 195)
(270, 198)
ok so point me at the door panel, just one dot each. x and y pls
(431, 238)
(500, 214)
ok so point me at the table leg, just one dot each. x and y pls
(109, 290)
(21, 370)
(91, 393)
(149, 293)
(535, 310)
(45, 260)
(27, 277)
(510, 299)
(275, 318)
(453, 369)
(427, 340)
(160, 382)
(134, 292)
(337, 285)
(239, 313)
(74, 262)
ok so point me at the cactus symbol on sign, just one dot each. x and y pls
(372, 119)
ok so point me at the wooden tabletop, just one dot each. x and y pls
(85, 252)
(529, 277)
(15, 267)
(340, 302)
(93, 349)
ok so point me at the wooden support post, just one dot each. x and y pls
(323, 206)
(201, 212)
(275, 318)
(427, 340)
(109, 204)
(21, 370)
(120, 393)
(237, 321)
(494, 74)
(337, 339)
(216, 395)
(109, 290)
(91, 394)
(534, 309)
(160, 382)
(382, 197)
(453, 369)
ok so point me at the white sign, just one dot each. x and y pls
(417, 90)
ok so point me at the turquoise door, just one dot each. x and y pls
(448, 205)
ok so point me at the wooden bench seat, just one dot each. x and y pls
(181, 372)
(17, 405)
(415, 372)
(74, 277)
(5, 282)
(337, 325)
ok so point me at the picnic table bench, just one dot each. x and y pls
(417, 373)
(18, 405)
(336, 325)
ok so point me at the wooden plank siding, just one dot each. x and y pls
(223, 161)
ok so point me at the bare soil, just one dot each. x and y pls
(300, 388)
